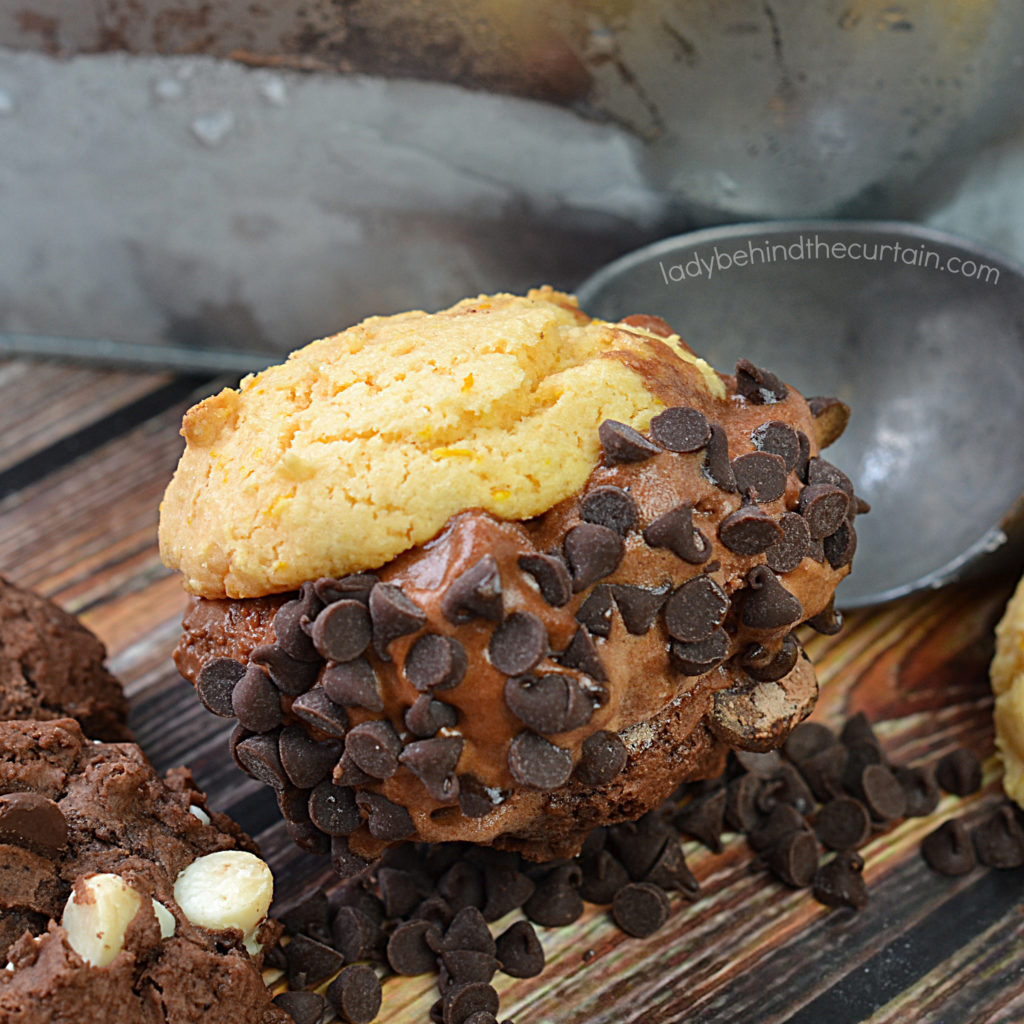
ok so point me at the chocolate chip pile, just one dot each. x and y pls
(805, 812)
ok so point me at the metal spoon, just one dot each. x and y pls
(928, 352)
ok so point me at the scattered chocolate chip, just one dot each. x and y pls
(464, 967)
(949, 850)
(959, 772)
(602, 756)
(778, 438)
(638, 606)
(474, 799)
(704, 819)
(433, 762)
(824, 771)
(307, 761)
(787, 787)
(858, 729)
(767, 603)
(505, 889)
(582, 654)
(757, 385)
(356, 894)
(519, 644)
(215, 682)
(333, 809)
(341, 631)
(436, 662)
(717, 466)
(256, 701)
(841, 546)
(354, 933)
(808, 739)
(386, 820)
(999, 840)
(694, 659)
(592, 552)
(603, 877)
(258, 756)
(519, 951)
(312, 917)
(289, 675)
(741, 809)
(765, 665)
(427, 716)
(436, 910)
(637, 844)
(794, 859)
(824, 508)
(462, 885)
(675, 530)
(696, 609)
(551, 575)
(556, 901)
(839, 883)
(681, 429)
(596, 611)
(640, 909)
(749, 530)
(34, 822)
(289, 620)
(621, 443)
(821, 471)
(407, 950)
(535, 762)
(311, 963)
(783, 819)
(315, 708)
(355, 587)
(353, 684)
(761, 475)
(393, 615)
(374, 747)
(302, 1007)
(355, 994)
(858, 757)
(469, 930)
(788, 552)
(476, 593)
(843, 824)
(611, 507)
(919, 789)
(828, 621)
(671, 873)
(464, 1001)
(763, 764)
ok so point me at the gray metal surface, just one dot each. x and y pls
(931, 362)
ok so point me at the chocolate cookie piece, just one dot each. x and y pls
(51, 666)
(112, 896)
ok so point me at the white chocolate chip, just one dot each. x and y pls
(165, 919)
(199, 813)
(97, 916)
(228, 889)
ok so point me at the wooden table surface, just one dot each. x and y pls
(84, 458)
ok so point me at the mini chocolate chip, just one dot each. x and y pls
(333, 809)
(761, 475)
(318, 710)
(999, 840)
(311, 963)
(433, 762)
(215, 682)
(353, 684)
(794, 859)
(778, 438)
(341, 631)
(258, 756)
(596, 610)
(354, 933)
(602, 756)
(638, 606)
(749, 530)
(427, 716)
(741, 804)
(355, 587)
(347, 773)
(34, 822)
(519, 644)
(787, 553)
(469, 930)
(289, 621)
(717, 466)
(681, 429)
(355, 994)
(671, 873)
(833, 412)
(675, 530)
(919, 789)
(294, 804)
(767, 603)
(374, 747)
(621, 443)
(841, 546)
(611, 507)
(821, 471)
(828, 621)
(757, 385)
(307, 761)
(787, 787)
(704, 819)
(436, 662)
(464, 967)
(804, 458)
(386, 820)
(464, 1001)
(257, 701)
(843, 824)
(959, 772)
(582, 654)
(308, 837)
(765, 665)
(824, 509)
(640, 909)
(474, 799)
(949, 850)
(783, 819)
(536, 763)
(540, 702)
(475, 593)
(592, 552)
(302, 1007)
(519, 951)
(816, 550)
(696, 609)
(505, 889)
(825, 770)
(694, 659)
(407, 950)
(289, 675)
(840, 882)
(393, 615)
(556, 901)
(551, 575)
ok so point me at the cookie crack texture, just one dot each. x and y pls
(364, 444)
